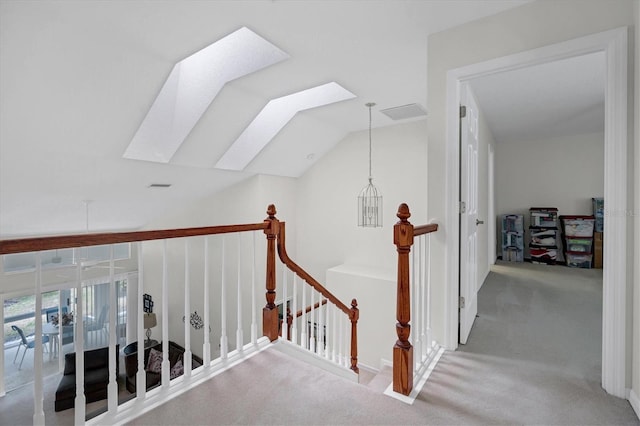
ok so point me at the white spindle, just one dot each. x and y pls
(223, 307)
(141, 376)
(2, 371)
(320, 327)
(303, 333)
(294, 310)
(206, 346)
(38, 397)
(187, 357)
(334, 333)
(285, 324)
(341, 358)
(414, 287)
(312, 329)
(112, 387)
(428, 301)
(423, 298)
(239, 333)
(57, 347)
(326, 331)
(80, 400)
(165, 318)
(254, 320)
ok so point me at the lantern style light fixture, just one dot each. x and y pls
(370, 199)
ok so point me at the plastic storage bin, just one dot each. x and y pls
(543, 236)
(543, 255)
(579, 260)
(598, 213)
(545, 217)
(578, 245)
(578, 226)
(512, 223)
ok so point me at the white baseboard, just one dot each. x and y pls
(634, 400)
(296, 351)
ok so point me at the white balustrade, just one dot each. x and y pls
(323, 329)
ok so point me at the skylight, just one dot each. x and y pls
(273, 117)
(191, 87)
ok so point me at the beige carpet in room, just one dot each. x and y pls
(533, 358)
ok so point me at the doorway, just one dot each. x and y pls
(614, 44)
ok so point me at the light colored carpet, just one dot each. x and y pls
(533, 358)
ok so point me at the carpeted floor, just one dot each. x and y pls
(533, 358)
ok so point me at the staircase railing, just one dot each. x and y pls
(320, 329)
(190, 252)
(413, 285)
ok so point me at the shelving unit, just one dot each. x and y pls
(543, 230)
(513, 237)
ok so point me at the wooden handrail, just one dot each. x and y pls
(270, 313)
(403, 235)
(284, 258)
(275, 234)
(308, 309)
(23, 245)
(424, 229)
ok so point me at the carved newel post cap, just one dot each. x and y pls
(271, 210)
(403, 212)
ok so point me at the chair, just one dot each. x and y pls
(98, 325)
(28, 344)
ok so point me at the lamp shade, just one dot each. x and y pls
(150, 321)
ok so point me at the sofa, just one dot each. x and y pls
(153, 379)
(96, 378)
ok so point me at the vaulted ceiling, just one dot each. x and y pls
(77, 78)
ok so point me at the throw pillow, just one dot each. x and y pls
(154, 364)
(177, 370)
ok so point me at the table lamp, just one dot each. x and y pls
(149, 322)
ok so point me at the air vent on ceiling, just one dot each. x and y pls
(160, 185)
(404, 112)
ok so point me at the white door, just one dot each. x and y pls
(468, 212)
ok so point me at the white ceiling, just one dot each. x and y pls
(544, 101)
(77, 79)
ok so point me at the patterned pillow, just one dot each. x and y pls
(177, 370)
(154, 364)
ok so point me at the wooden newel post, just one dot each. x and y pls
(270, 311)
(355, 315)
(402, 350)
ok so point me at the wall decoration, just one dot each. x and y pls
(147, 303)
(196, 321)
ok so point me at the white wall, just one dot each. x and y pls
(529, 26)
(635, 388)
(561, 172)
(328, 234)
(243, 203)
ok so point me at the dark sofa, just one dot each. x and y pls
(96, 378)
(176, 352)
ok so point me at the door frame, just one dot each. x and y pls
(614, 44)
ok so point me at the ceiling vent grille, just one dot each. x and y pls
(160, 185)
(404, 112)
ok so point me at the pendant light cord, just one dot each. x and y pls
(370, 104)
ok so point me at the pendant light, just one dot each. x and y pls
(370, 199)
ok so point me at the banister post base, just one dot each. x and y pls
(270, 322)
(403, 369)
